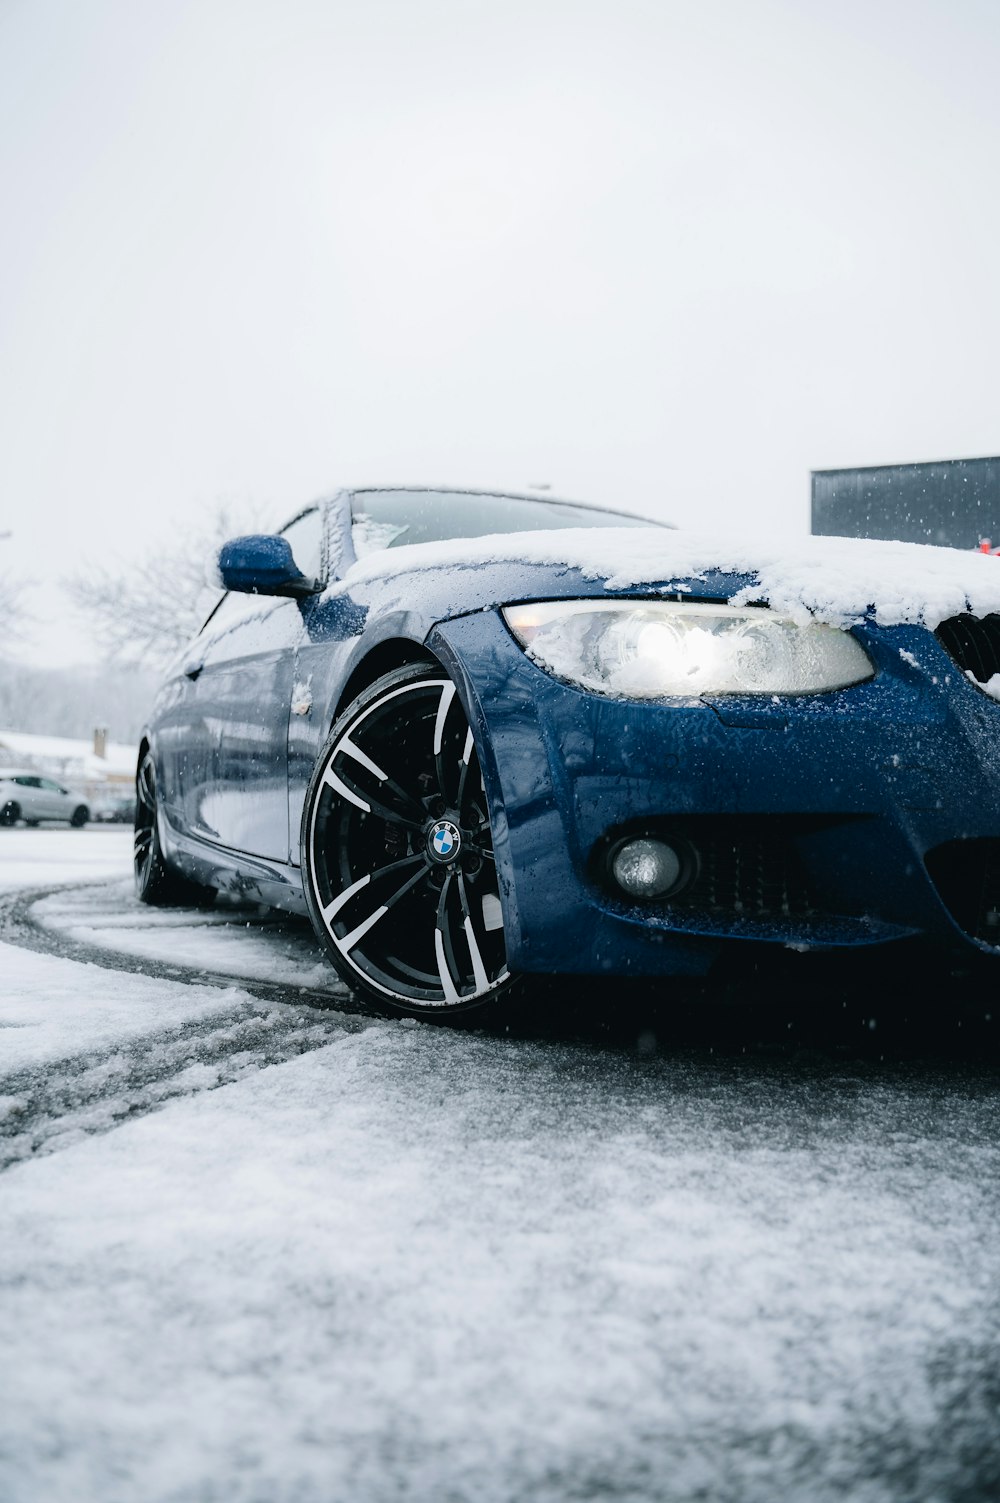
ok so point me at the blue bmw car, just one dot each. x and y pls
(483, 737)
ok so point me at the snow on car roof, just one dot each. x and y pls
(835, 580)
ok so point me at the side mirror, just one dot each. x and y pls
(262, 565)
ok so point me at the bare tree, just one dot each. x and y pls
(146, 611)
(72, 701)
(14, 614)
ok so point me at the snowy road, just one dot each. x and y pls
(263, 1250)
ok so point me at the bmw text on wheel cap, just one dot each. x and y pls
(445, 842)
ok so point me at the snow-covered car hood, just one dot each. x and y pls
(835, 580)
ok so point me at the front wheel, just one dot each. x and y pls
(80, 817)
(397, 853)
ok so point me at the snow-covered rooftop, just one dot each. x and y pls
(71, 754)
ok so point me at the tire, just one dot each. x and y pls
(32, 823)
(80, 817)
(10, 813)
(397, 854)
(156, 882)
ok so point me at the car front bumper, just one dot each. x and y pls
(824, 821)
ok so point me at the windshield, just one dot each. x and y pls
(388, 519)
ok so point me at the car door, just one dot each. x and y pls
(331, 627)
(226, 736)
(56, 799)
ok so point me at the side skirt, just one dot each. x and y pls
(276, 883)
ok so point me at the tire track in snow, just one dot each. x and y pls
(19, 926)
(52, 1105)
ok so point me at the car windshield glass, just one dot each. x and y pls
(388, 519)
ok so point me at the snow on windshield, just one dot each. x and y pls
(370, 536)
(835, 580)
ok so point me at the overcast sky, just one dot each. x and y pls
(668, 256)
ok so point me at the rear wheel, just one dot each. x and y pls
(10, 813)
(156, 882)
(397, 853)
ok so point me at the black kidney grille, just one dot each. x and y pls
(974, 643)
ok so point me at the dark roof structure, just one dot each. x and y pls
(954, 502)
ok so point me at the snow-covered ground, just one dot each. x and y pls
(55, 853)
(219, 939)
(310, 1256)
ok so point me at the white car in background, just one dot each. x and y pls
(26, 794)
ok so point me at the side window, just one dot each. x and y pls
(232, 609)
(305, 538)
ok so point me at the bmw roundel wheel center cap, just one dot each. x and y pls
(444, 842)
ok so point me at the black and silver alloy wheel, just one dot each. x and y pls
(146, 842)
(156, 882)
(397, 851)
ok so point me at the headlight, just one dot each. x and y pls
(654, 649)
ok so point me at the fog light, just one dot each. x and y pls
(646, 868)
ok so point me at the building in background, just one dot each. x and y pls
(953, 502)
(103, 770)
